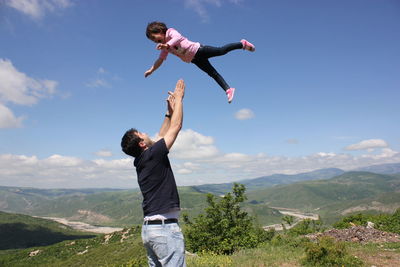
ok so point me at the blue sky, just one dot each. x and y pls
(321, 90)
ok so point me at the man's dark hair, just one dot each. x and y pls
(130, 143)
(155, 27)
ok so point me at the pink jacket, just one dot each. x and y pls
(179, 46)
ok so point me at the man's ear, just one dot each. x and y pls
(142, 144)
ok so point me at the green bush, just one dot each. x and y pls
(306, 227)
(224, 227)
(326, 252)
(136, 262)
(209, 259)
(388, 223)
(284, 240)
(357, 219)
(383, 222)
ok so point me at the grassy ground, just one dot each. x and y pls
(387, 254)
(125, 249)
(285, 255)
(118, 249)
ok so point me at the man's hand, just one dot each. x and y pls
(175, 102)
(179, 89)
(178, 93)
(170, 103)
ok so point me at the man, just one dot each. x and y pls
(161, 234)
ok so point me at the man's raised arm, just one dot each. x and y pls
(177, 115)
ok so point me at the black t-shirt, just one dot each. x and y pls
(156, 180)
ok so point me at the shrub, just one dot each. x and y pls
(357, 219)
(136, 262)
(224, 227)
(383, 222)
(327, 252)
(284, 240)
(388, 223)
(209, 259)
(305, 227)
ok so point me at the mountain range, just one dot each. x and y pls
(328, 192)
(279, 179)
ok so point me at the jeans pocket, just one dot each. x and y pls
(159, 246)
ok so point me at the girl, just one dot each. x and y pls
(171, 41)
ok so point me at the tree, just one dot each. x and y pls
(288, 219)
(224, 227)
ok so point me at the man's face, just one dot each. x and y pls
(158, 38)
(146, 139)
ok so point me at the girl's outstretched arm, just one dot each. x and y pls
(155, 66)
(175, 36)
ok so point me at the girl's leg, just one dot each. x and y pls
(206, 66)
(211, 51)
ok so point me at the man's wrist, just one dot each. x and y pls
(168, 115)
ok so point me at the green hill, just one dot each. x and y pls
(100, 207)
(115, 249)
(26, 200)
(125, 248)
(334, 196)
(110, 208)
(122, 208)
(22, 231)
(269, 181)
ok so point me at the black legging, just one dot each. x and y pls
(205, 52)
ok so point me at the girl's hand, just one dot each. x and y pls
(148, 72)
(162, 46)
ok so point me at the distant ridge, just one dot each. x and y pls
(282, 179)
(389, 168)
(272, 180)
(327, 190)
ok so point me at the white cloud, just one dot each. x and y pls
(38, 8)
(102, 79)
(61, 161)
(8, 119)
(244, 114)
(104, 153)
(59, 171)
(369, 144)
(184, 171)
(199, 6)
(325, 155)
(192, 145)
(18, 88)
(384, 153)
(101, 70)
(98, 83)
(195, 159)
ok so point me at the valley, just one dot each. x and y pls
(85, 227)
(298, 215)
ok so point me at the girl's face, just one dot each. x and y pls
(158, 38)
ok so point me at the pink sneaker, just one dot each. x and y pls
(229, 93)
(248, 46)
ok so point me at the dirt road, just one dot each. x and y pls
(295, 213)
(85, 226)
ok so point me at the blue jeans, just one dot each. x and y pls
(164, 244)
(205, 52)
